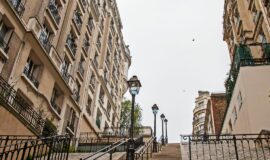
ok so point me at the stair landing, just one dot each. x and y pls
(169, 152)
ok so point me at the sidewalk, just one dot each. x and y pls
(169, 152)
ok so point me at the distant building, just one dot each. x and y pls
(216, 107)
(247, 33)
(64, 66)
(199, 113)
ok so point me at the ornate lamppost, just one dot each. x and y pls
(134, 86)
(162, 116)
(155, 111)
(166, 133)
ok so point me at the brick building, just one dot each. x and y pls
(216, 107)
(64, 65)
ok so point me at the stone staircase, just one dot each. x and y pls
(169, 152)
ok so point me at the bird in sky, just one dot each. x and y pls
(193, 39)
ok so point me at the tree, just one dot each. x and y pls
(125, 119)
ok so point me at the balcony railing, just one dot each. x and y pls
(56, 107)
(18, 6)
(54, 10)
(31, 77)
(12, 100)
(4, 45)
(242, 57)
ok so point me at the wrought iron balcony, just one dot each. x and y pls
(10, 99)
(31, 77)
(18, 6)
(71, 45)
(80, 69)
(56, 107)
(54, 10)
(4, 45)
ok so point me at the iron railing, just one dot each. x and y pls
(145, 150)
(10, 99)
(226, 147)
(31, 77)
(4, 45)
(54, 10)
(119, 146)
(30, 147)
(18, 6)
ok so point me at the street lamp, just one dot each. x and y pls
(134, 86)
(155, 111)
(162, 116)
(166, 135)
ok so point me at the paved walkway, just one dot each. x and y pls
(168, 152)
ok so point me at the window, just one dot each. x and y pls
(55, 99)
(112, 27)
(44, 38)
(77, 18)
(86, 44)
(96, 60)
(99, 42)
(18, 6)
(5, 34)
(255, 14)
(73, 120)
(71, 43)
(101, 96)
(109, 107)
(90, 25)
(66, 66)
(80, 67)
(98, 119)
(110, 42)
(76, 91)
(107, 61)
(92, 81)
(88, 107)
(31, 71)
(54, 9)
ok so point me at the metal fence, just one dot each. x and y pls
(31, 147)
(225, 147)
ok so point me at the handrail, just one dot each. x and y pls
(109, 147)
(145, 148)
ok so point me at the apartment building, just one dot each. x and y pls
(64, 66)
(247, 34)
(199, 113)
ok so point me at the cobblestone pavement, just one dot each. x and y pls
(168, 152)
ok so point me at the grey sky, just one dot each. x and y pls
(172, 67)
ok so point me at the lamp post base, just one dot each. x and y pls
(155, 145)
(130, 154)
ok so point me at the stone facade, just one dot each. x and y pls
(247, 33)
(67, 60)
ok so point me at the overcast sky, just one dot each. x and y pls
(171, 66)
